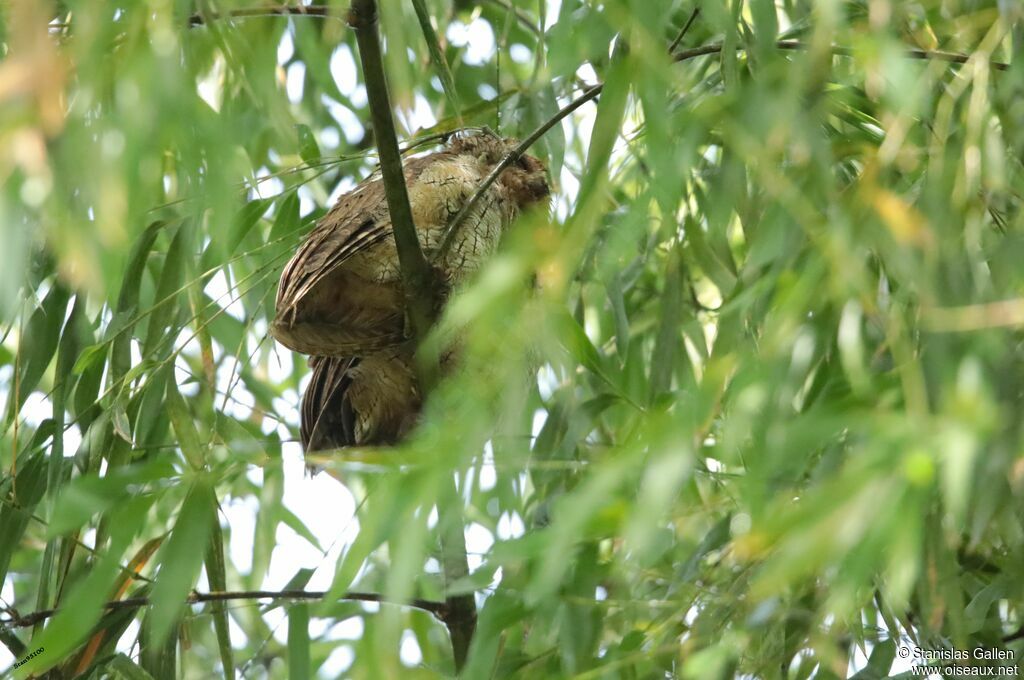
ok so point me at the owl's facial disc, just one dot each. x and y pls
(525, 179)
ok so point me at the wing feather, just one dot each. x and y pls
(327, 419)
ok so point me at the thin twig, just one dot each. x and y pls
(438, 609)
(510, 158)
(685, 30)
(932, 55)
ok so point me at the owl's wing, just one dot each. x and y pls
(327, 419)
(369, 401)
(357, 221)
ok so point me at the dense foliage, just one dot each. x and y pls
(747, 403)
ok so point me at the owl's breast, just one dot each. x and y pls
(437, 198)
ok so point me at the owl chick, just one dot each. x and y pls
(341, 294)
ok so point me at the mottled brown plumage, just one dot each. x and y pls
(359, 401)
(340, 298)
(340, 294)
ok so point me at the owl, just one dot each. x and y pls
(340, 296)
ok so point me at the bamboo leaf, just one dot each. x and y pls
(668, 348)
(39, 343)
(216, 574)
(437, 57)
(119, 333)
(29, 486)
(298, 642)
(309, 150)
(180, 562)
(184, 427)
(81, 608)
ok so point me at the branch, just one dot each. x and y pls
(685, 30)
(438, 609)
(419, 286)
(418, 282)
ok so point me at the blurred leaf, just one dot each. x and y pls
(880, 661)
(298, 642)
(180, 561)
(120, 667)
(668, 348)
(39, 343)
(308, 148)
(81, 608)
(444, 73)
(184, 427)
(26, 492)
(216, 574)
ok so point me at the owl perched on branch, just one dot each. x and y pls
(340, 297)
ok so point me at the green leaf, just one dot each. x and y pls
(583, 351)
(163, 314)
(120, 420)
(216, 574)
(85, 496)
(184, 426)
(37, 347)
(298, 642)
(619, 314)
(158, 657)
(880, 661)
(81, 608)
(90, 356)
(444, 73)
(222, 245)
(180, 561)
(309, 150)
(15, 513)
(668, 348)
(121, 667)
(119, 333)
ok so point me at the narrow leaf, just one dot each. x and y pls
(180, 561)
(298, 642)
(444, 73)
(184, 426)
